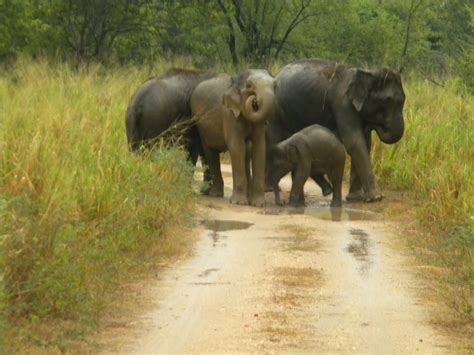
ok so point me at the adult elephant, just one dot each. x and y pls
(232, 115)
(348, 100)
(158, 103)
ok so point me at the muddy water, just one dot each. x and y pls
(361, 248)
(218, 225)
(327, 213)
(287, 280)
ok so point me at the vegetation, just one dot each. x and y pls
(432, 36)
(78, 212)
(435, 161)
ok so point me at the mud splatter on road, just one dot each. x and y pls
(282, 279)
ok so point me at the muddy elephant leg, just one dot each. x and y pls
(216, 188)
(356, 192)
(360, 159)
(325, 186)
(335, 176)
(299, 177)
(257, 197)
(237, 150)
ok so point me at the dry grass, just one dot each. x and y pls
(79, 214)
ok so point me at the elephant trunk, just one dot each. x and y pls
(259, 107)
(392, 132)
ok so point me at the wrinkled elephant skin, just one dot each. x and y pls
(232, 115)
(349, 101)
(311, 152)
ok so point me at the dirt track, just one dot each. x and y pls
(276, 279)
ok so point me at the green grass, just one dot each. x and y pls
(78, 212)
(435, 160)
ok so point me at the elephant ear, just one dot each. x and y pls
(231, 98)
(359, 87)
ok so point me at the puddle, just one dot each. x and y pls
(222, 225)
(359, 249)
(326, 213)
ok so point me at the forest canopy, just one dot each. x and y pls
(434, 37)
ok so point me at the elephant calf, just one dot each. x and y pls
(311, 152)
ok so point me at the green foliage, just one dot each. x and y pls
(434, 37)
(434, 160)
(78, 211)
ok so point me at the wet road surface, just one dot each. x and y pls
(287, 280)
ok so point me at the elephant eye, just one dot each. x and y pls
(248, 85)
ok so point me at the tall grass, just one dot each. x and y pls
(77, 210)
(435, 159)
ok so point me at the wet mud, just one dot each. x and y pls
(327, 213)
(219, 225)
(360, 249)
(288, 280)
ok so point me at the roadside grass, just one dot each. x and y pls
(79, 213)
(435, 160)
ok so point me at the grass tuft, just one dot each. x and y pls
(78, 211)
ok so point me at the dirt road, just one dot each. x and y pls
(280, 279)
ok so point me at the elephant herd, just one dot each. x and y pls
(303, 121)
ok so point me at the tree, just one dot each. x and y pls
(14, 27)
(90, 27)
(264, 26)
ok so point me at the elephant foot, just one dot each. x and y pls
(336, 203)
(360, 196)
(216, 191)
(239, 199)
(355, 196)
(373, 197)
(257, 200)
(205, 189)
(212, 191)
(296, 202)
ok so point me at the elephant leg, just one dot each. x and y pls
(325, 186)
(212, 159)
(299, 177)
(206, 176)
(237, 150)
(273, 135)
(356, 190)
(335, 176)
(363, 169)
(248, 174)
(257, 198)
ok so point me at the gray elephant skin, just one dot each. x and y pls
(160, 102)
(232, 114)
(311, 152)
(350, 102)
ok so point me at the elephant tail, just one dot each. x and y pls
(133, 119)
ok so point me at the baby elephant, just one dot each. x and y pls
(311, 152)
